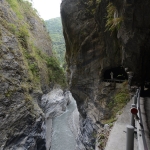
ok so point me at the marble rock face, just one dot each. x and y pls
(91, 49)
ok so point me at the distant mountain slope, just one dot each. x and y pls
(54, 27)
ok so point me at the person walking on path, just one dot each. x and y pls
(111, 74)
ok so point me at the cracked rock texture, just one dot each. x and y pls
(91, 49)
(21, 117)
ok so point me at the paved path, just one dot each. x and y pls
(147, 109)
(145, 112)
(117, 137)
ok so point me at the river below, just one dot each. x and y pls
(62, 133)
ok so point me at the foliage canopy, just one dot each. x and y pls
(54, 27)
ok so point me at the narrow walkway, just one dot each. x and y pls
(147, 109)
(145, 112)
(114, 80)
(117, 137)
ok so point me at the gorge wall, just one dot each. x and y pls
(26, 72)
(100, 35)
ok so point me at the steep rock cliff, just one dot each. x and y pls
(101, 35)
(26, 71)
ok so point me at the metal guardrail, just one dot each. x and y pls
(136, 116)
(113, 80)
(140, 126)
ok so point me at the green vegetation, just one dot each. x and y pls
(112, 22)
(12, 28)
(14, 4)
(102, 139)
(91, 7)
(119, 100)
(8, 93)
(54, 27)
(98, 1)
(56, 72)
(21, 7)
(35, 61)
(34, 68)
(23, 35)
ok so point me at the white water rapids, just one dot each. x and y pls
(62, 120)
(62, 137)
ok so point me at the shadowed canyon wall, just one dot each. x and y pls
(26, 70)
(100, 35)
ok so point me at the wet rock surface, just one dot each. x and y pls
(61, 120)
(53, 104)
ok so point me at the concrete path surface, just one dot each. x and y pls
(117, 137)
(147, 109)
(145, 114)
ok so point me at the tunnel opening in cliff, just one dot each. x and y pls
(144, 74)
(117, 73)
(144, 67)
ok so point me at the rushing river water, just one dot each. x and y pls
(62, 137)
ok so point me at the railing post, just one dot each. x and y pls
(132, 116)
(135, 99)
(130, 138)
(137, 91)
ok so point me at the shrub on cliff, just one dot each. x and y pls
(118, 101)
(57, 73)
(23, 35)
(22, 6)
(113, 21)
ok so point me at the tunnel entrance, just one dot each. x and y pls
(117, 74)
(145, 92)
(144, 67)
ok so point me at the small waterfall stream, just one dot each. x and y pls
(62, 137)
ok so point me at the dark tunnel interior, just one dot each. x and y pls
(118, 73)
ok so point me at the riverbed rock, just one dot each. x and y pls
(54, 103)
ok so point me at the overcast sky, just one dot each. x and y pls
(47, 8)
